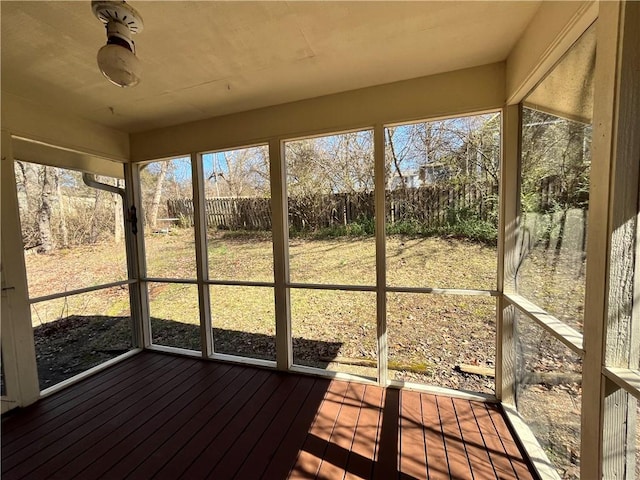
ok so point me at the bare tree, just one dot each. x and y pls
(395, 160)
(240, 173)
(335, 164)
(157, 195)
(306, 174)
(348, 161)
(57, 209)
(63, 217)
(49, 180)
(94, 231)
(118, 220)
(556, 152)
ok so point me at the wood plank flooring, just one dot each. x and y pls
(166, 417)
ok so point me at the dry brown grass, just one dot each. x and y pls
(429, 334)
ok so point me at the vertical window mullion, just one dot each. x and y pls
(136, 265)
(202, 259)
(507, 252)
(280, 226)
(381, 268)
(134, 197)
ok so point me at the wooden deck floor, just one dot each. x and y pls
(166, 417)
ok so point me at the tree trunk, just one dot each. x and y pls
(396, 163)
(157, 195)
(23, 192)
(63, 218)
(118, 219)
(95, 218)
(44, 212)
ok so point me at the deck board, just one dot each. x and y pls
(314, 447)
(497, 454)
(476, 450)
(237, 447)
(413, 464)
(47, 409)
(434, 440)
(112, 446)
(120, 424)
(166, 417)
(67, 430)
(457, 458)
(232, 415)
(157, 459)
(146, 442)
(509, 444)
(386, 465)
(221, 445)
(336, 456)
(364, 448)
(278, 448)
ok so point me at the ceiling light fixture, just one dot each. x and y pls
(117, 59)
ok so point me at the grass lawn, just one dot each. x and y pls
(429, 335)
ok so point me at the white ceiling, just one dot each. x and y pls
(203, 59)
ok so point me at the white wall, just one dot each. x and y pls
(26, 119)
(448, 94)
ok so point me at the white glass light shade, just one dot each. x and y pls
(119, 65)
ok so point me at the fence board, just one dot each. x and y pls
(430, 205)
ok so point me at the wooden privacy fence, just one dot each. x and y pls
(437, 205)
(432, 205)
(310, 212)
(554, 190)
(227, 213)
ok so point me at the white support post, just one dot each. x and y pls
(634, 357)
(623, 224)
(508, 253)
(202, 257)
(381, 267)
(134, 199)
(620, 408)
(9, 366)
(613, 206)
(133, 265)
(280, 229)
(18, 347)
